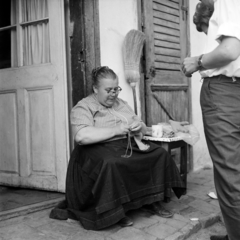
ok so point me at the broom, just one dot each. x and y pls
(132, 49)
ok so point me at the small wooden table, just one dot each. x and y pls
(172, 143)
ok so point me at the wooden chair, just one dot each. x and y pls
(174, 143)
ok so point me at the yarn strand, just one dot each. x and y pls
(128, 145)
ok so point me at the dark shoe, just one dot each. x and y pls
(125, 222)
(60, 211)
(159, 210)
(219, 237)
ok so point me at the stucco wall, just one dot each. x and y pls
(117, 17)
(201, 156)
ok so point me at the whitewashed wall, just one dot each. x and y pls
(117, 17)
(201, 156)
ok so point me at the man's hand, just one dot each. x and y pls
(189, 66)
(179, 126)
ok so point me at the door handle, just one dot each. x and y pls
(81, 56)
(81, 59)
(152, 71)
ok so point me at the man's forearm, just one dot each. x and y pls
(226, 52)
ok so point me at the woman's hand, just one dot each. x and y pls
(135, 127)
(122, 129)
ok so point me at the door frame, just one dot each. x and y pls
(82, 49)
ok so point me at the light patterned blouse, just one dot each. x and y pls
(89, 112)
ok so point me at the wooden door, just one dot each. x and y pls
(83, 51)
(84, 46)
(166, 27)
(33, 101)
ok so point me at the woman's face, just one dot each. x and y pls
(106, 91)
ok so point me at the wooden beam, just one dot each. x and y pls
(173, 87)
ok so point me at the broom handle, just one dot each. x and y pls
(134, 99)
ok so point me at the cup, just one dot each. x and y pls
(157, 131)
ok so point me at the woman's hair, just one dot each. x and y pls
(202, 15)
(100, 73)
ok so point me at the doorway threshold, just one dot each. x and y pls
(16, 202)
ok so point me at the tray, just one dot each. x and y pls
(173, 139)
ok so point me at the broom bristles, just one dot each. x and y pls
(132, 50)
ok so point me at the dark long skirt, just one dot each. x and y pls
(102, 185)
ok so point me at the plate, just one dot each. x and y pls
(173, 139)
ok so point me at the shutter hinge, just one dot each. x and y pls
(184, 11)
(142, 22)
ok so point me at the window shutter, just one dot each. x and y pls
(165, 25)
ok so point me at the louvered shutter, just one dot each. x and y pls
(165, 25)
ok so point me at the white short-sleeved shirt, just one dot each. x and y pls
(225, 21)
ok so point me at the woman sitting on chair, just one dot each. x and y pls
(111, 170)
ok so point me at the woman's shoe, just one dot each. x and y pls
(125, 222)
(159, 210)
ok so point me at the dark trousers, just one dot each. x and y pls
(220, 103)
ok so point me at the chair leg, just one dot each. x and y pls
(183, 165)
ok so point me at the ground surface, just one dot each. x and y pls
(204, 234)
(14, 197)
(192, 212)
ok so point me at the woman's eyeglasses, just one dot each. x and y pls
(114, 90)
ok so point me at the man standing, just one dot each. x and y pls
(219, 66)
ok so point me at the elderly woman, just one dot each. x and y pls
(111, 172)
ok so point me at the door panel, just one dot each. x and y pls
(40, 112)
(34, 147)
(165, 25)
(8, 130)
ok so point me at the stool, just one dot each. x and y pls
(172, 143)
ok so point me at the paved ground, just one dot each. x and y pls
(194, 211)
(14, 197)
(16, 201)
(216, 229)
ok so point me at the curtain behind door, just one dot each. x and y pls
(36, 49)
